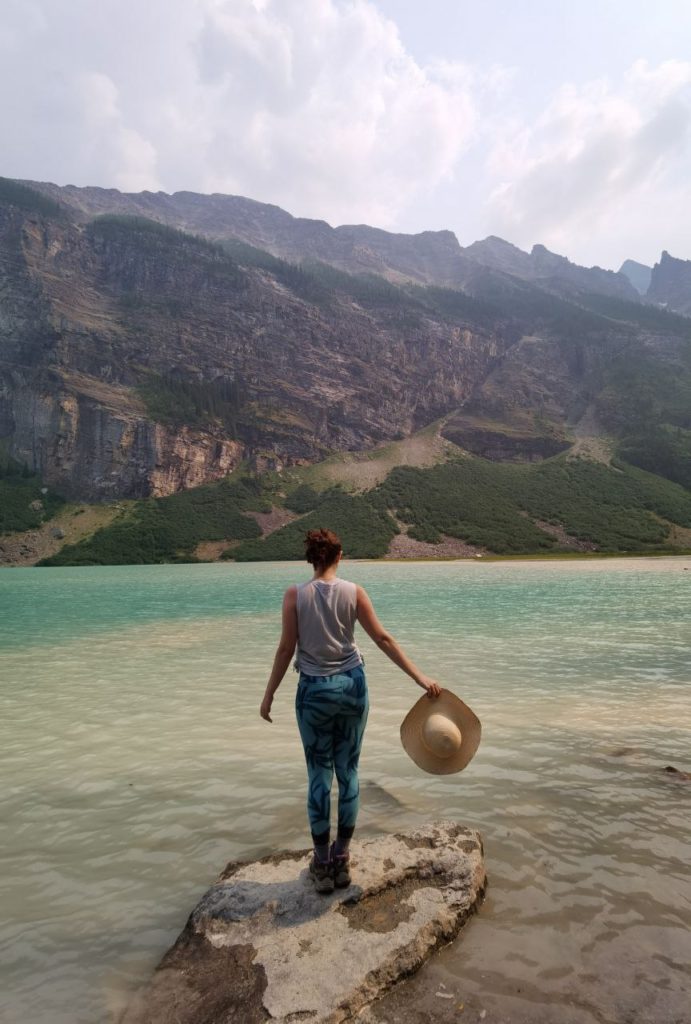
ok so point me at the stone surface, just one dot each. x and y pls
(263, 945)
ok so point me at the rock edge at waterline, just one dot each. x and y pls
(262, 945)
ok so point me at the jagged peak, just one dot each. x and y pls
(667, 260)
(540, 251)
(666, 257)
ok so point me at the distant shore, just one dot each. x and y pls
(567, 556)
(552, 556)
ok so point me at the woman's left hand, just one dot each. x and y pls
(266, 708)
(431, 685)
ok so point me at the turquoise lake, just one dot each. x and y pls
(135, 765)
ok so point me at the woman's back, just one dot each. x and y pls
(326, 614)
(331, 698)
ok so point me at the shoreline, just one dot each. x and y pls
(570, 556)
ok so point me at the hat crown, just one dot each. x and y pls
(441, 735)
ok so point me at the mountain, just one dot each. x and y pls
(137, 359)
(431, 257)
(549, 270)
(670, 284)
(638, 274)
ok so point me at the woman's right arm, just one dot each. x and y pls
(385, 642)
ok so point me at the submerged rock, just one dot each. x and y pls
(263, 945)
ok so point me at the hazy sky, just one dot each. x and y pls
(541, 121)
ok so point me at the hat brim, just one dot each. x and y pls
(412, 736)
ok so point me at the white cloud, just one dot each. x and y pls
(319, 107)
(599, 157)
(316, 105)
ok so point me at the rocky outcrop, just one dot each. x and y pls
(263, 945)
(500, 445)
(550, 270)
(670, 284)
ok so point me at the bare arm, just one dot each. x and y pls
(386, 643)
(284, 651)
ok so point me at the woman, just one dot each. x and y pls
(332, 702)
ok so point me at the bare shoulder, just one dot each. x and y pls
(290, 596)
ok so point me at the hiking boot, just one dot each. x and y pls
(341, 868)
(321, 873)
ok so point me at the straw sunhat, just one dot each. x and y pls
(441, 734)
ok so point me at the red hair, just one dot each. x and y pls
(322, 548)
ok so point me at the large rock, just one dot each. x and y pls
(263, 945)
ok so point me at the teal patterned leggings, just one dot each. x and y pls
(332, 714)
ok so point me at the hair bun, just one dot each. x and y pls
(322, 548)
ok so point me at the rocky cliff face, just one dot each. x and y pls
(96, 316)
(94, 441)
(670, 284)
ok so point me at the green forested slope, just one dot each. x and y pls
(23, 503)
(365, 529)
(492, 504)
(495, 506)
(168, 529)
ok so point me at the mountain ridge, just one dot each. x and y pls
(426, 257)
(431, 257)
(140, 360)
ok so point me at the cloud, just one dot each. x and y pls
(316, 105)
(598, 157)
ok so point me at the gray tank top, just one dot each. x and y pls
(327, 613)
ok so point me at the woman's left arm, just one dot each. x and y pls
(284, 651)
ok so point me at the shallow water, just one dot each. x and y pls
(136, 765)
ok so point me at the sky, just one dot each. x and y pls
(545, 121)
